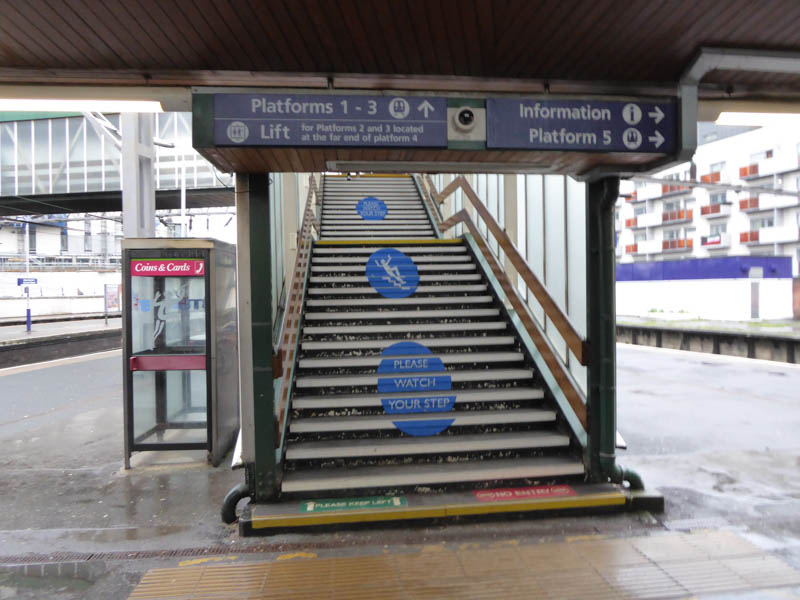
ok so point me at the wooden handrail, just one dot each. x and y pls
(574, 341)
(294, 304)
(549, 356)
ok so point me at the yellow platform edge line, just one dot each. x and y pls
(444, 510)
(388, 241)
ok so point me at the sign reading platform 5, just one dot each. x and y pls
(638, 125)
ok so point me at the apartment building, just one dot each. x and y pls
(747, 203)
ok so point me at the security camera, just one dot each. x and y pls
(465, 119)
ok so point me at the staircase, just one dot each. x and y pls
(410, 376)
(405, 215)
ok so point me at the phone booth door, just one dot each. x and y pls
(168, 373)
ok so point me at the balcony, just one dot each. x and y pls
(676, 216)
(749, 237)
(644, 247)
(633, 196)
(750, 204)
(748, 171)
(684, 245)
(713, 177)
(716, 211)
(669, 189)
(631, 223)
(785, 234)
(767, 201)
(716, 241)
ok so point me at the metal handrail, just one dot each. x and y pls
(553, 361)
(289, 337)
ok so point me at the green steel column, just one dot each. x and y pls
(601, 306)
(264, 476)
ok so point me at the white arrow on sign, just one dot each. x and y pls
(657, 139)
(657, 114)
(426, 107)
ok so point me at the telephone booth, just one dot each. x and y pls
(181, 389)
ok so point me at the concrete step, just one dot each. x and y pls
(420, 290)
(410, 301)
(422, 249)
(418, 259)
(469, 418)
(344, 401)
(404, 328)
(402, 314)
(439, 342)
(447, 359)
(371, 379)
(484, 442)
(430, 474)
(425, 267)
(363, 278)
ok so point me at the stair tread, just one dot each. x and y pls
(430, 474)
(478, 287)
(372, 378)
(412, 300)
(424, 249)
(422, 267)
(418, 260)
(406, 327)
(374, 361)
(462, 396)
(460, 419)
(453, 342)
(402, 314)
(404, 446)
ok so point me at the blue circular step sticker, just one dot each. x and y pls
(392, 273)
(371, 208)
(412, 374)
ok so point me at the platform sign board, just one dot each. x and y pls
(308, 120)
(640, 126)
(112, 292)
(27, 281)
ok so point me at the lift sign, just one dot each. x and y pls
(409, 365)
(168, 267)
(371, 209)
(392, 273)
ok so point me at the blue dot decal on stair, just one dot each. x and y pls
(392, 273)
(371, 209)
(410, 367)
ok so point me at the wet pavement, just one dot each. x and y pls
(717, 435)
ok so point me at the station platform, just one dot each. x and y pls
(708, 564)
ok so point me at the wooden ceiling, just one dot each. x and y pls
(633, 44)
(594, 40)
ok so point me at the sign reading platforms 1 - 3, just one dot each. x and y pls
(301, 120)
(581, 125)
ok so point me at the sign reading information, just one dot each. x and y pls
(300, 120)
(581, 125)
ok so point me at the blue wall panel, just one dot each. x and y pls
(726, 267)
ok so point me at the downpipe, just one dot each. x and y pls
(606, 413)
(232, 498)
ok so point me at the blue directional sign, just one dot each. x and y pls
(301, 120)
(371, 209)
(26, 281)
(408, 367)
(582, 125)
(392, 273)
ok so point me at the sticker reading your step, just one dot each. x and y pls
(413, 374)
(371, 209)
(392, 273)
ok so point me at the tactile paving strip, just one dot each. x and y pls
(665, 565)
